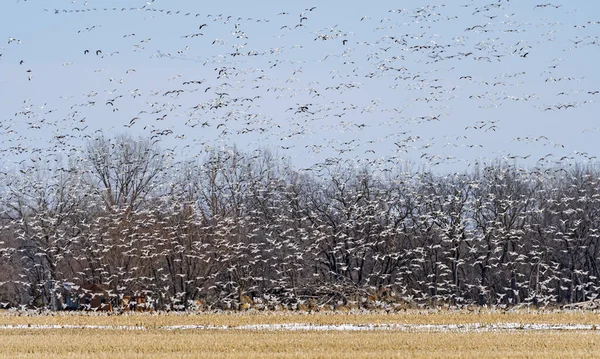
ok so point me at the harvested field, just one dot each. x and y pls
(416, 334)
(433, 317)
(291, 344)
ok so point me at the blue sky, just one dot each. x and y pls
(435, 84)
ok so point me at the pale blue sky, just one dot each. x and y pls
(414, 82)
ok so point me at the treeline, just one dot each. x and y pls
(242, 229)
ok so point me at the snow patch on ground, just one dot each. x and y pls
(471, 327)
(69, 326)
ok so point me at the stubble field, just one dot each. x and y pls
(414, 334)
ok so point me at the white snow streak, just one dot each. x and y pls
(70, 326)
(471, 327)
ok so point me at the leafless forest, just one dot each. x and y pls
(244, 229)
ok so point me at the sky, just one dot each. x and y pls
(435, 85)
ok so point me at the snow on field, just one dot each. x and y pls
(472, 327)
(68, 326)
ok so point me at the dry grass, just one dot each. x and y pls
(246, 344)
(154, 320)
(160, 343)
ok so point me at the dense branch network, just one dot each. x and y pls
(245, 229)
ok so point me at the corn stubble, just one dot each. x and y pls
(231, 318)
(155, 342)
(210, 344)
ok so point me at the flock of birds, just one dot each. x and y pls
(132, 121)
(409, 85)
(245, 231)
